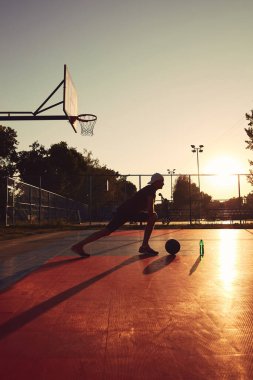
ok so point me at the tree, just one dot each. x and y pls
(63, 170)
(66, 170)
(232, 203)
(249, 201)
(105, 190)
(59, 169)
(249, 132)
(8, 156)
(187, 195)
(33, 165)
(181, 193)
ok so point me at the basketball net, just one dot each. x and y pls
(87, 123)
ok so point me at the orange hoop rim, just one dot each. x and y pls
(86, 117)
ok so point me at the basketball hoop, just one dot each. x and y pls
(87, 123)
(70, 109)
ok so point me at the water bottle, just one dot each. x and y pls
(201, 248)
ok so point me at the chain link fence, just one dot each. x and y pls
(216, 199)
(27, 204)
(219, 199)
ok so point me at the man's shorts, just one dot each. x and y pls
(119, 219)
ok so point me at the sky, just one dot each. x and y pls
(160, 75)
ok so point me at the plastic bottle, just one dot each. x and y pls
(201, 248)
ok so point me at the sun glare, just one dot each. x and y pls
(228, 257)
(223, 167)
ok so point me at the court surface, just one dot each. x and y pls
(121, 315)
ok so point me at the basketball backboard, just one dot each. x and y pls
(70, 101)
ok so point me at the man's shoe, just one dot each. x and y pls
(148, 251)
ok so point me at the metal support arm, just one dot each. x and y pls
(17, 115)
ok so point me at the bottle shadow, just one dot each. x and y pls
(195, 266)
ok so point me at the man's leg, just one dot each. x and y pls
(148, 230)
(117, 221)
(78, 248)
(147, 233)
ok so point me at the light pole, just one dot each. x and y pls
(171, 172)
(198, 150)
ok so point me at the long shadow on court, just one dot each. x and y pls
(8, 281)
(158, 264)
(56, 264)
(27, 316)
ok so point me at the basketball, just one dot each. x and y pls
(172, 246)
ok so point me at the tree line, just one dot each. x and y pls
(60, 169)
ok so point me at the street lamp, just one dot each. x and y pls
(171, 172)
(198, 150)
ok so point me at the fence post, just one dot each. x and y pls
(6, 202)
(68, 213)
(190, 199)
(40, 200)
(239, 194)
(30, 200)
(90, 200)
(48, 208)
(13, 202)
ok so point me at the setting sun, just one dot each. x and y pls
(224, 166)
(225, 170)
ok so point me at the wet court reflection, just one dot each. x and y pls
(227, 258)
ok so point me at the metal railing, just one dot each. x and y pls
(102, 195)
(229, 198)
(28, 204)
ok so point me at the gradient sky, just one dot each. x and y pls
(160, 75)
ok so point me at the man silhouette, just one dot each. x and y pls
(140, 207)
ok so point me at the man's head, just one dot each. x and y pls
(157, 181)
